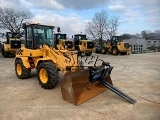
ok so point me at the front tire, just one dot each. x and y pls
(21, 71)
(47, 75)
(115, 51)
(104, 50)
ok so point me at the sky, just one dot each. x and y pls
(72, 15)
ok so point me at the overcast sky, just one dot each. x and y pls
(71, 15)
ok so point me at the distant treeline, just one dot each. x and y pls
(146, 34)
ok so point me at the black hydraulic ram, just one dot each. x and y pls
(100, 74)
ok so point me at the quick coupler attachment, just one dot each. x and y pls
(99, 73)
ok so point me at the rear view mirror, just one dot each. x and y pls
(24, 25)
(58, 29)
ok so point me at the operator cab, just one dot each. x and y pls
(78, 37)
(116, 39)
(58, 36)
(37, 35)
(11, 35)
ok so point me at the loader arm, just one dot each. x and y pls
(63, 59)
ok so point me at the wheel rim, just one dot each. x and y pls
(43, 75)
(19, 69)
(114, 51)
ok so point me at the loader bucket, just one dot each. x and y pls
(77, 89)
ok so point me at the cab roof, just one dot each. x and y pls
(27, 24)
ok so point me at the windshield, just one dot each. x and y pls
(43, 35)
(13, 35)
(120, 39)
(61, 36)
(83, 37)
(117, 38)
(80, 37)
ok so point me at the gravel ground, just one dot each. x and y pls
(138, 75)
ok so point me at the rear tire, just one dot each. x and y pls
(21, 71)
(47, 75)
(104, 50)
(115, 51)
(4, 53)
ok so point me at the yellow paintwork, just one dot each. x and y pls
(19, 69)
(83, 46)
(30, 52)
(7, 47)
(24, 60)
(120, 47)
(61, 45)
(103, 50)
(43, 75)
(62, 62)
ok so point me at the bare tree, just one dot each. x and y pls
(127, 36)
(147, 34)
(112, 26)
(97, 26)
(101, 26)
(91, 29)
(12, 20)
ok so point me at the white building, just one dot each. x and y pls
(137, 44)
(153, 42)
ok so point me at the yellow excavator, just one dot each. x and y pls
(79, 84)
(12, 43)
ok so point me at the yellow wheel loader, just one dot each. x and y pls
(116, 46)
(61, 42)
(12, 43)
(82, 45)
(78, 85)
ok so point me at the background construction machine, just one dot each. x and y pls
(12, 43)
(82, 45)
(78, 85)
(61, 41)
(116, 46)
